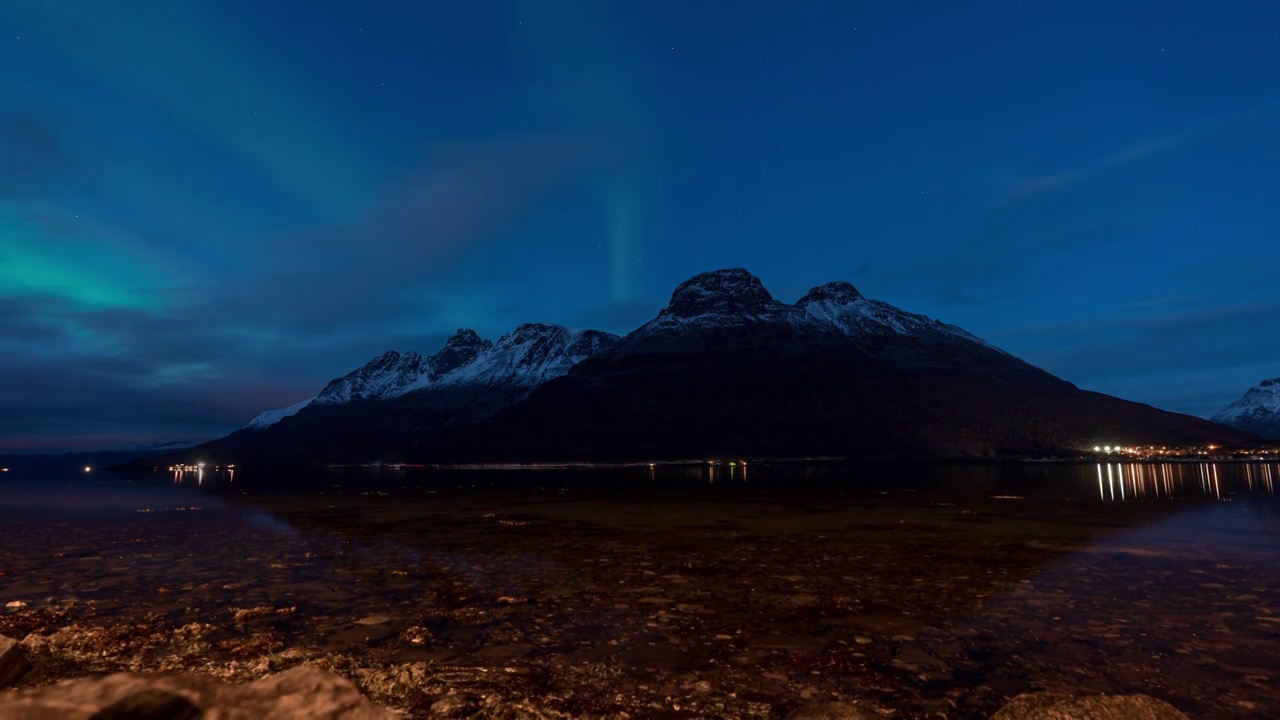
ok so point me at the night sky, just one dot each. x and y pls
(208, 209)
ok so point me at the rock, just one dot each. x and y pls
(304, 691)
(150, 704)
(1054, 706)
(830, 711)
(13, 662)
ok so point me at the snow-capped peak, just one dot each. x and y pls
(840, 305)
(459, 350)
(1257, 412)
(385, 376)
(522, 359)
(527, 356)
(731, 307)
(835, 292)
(733, 290)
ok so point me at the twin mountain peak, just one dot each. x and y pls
(533, 353)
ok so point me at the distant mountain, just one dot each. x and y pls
(723, 370)
(20, 464)
(1258, 412)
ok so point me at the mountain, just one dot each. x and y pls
(1258, 412)
(725, 370)
(385, 406)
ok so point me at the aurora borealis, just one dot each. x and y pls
(208, 209)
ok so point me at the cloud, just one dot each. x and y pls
(206, 355)
(1194, 361)
(1032, 186)
(1040, 219)
(1164, 301)
(69, 371)
(464, 196)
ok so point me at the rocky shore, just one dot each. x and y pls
(309, 691)
(519, 608)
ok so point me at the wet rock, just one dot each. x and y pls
(1054, 706)
(13, 663)
(304, 691)
(830, 711)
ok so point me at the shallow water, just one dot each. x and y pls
(678, 591)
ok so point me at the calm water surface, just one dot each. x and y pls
(727, 591)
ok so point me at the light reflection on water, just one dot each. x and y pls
(1030, 484)
(1148, 481)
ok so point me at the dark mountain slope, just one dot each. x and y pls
(725, 370)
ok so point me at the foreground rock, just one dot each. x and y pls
(302, 692)
(1053, 706)
(13, 663)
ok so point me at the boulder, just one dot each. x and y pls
(302, 692)
(1054, 706)
(13, 662)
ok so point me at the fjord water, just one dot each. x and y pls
(724, 590)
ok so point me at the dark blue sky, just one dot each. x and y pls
(210, 208)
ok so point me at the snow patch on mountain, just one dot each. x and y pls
(271, 417)
(522, 359)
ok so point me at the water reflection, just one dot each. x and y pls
(183, 473)
(1035, 484)
(1151, 481)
